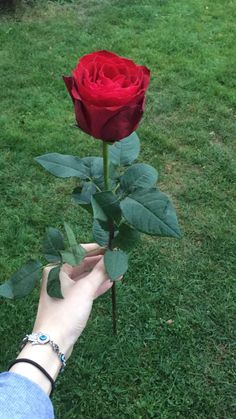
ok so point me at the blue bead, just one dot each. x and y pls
(43, 337)
(63, 358)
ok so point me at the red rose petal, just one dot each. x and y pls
(108, 92)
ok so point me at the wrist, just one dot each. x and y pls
(47, 353)
(63, 342)
(45, 357)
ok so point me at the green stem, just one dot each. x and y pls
(111, 228)
(105, 165)
(117, 187)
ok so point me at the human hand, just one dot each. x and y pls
(65, 319)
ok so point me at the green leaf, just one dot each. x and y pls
(6, 290)
(100, 235)
(62, 165)
(53, 243)
(54, 284)
(82, 195)
(71, 257)
(139, 175)
(105, 206)
(126, 238)
(101, 232)
(124, 152)
(116, 263)
(151, 212)
(70, 235)
(75, 254)
(23, 281)
(94, 166)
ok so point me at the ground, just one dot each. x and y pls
(174, 356)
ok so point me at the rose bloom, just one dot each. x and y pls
(108, 93)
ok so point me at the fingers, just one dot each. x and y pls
(98, 275)
(94, 252)
(103, 288)
(69, 274)
(86, 266)
(93, 249)
(92, 281)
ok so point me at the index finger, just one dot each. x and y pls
(93, 249)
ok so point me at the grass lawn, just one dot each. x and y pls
(184, 368)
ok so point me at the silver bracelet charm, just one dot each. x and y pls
(41, 339)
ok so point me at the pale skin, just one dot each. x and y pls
(64, 319)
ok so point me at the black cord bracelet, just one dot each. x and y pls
(35, 364)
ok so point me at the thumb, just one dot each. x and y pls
(98, 275)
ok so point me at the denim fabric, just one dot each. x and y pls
(20, 398)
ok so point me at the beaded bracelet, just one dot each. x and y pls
(41, 339)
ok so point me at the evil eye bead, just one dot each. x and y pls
(42, 338)
(63, 359)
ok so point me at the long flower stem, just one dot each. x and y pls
(111, 230)
(105, 165)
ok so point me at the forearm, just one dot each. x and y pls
(44, 356)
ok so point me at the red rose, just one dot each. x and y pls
(108, 93)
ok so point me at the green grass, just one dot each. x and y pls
(152, 369)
